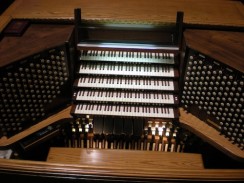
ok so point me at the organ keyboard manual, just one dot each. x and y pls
(128, 80)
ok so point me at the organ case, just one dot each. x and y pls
(126, 89)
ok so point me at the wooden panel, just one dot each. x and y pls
(65, 113)
(224, 46)
(12, 8)
(127, 159)
(37, 37)
(211, 135)
(4, 20)
(93, 172)
(228, 13)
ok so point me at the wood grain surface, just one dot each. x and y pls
(37, 38)
(203, 12)
(225, 46)
(65, 113)
(94, 172)
(4, 20)
(210, 134)
(129, 159)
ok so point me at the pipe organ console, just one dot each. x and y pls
(126, 89)
(135, 87)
